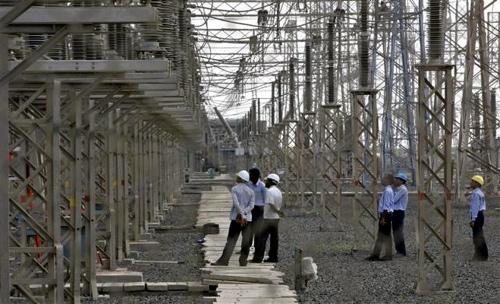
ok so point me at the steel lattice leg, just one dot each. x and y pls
(434, 178)
(364, 145)
(329, 158)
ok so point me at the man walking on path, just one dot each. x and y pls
(241, 218)
(398, 216)
(477, 208)
(259, 190)
(385, 209)
(272, 213)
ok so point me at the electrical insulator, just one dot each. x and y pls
(253, 44)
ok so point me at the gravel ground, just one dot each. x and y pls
(345, 277)
(178, 246)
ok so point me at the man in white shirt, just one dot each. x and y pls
(241, 218)
(272, 214)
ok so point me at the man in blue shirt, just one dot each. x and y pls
(398, 216)
(241, 218)
(259, 189)
(385, 209)
(477, 207)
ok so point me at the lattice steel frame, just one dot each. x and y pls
(308, 162)
(434, 176)
(291, 157)
(365, 164)
(329, 158)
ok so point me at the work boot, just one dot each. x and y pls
(253, 261)
(372, 258)
(243, 263)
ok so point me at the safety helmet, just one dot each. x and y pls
(402, 177)
(478, 179)
(274, 177)
(243, 174)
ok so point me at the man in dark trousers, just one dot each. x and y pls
(272, 214)
(241, 218)
(477, 208)
(398, 216)
(385, 209)
(259, 190)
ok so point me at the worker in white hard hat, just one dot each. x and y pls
(241, 216)
(398, 216)
(272, 214)
(477, 208)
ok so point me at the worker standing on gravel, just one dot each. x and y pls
(385, 210)
(272, 214)
(398, 216)
(259, 190)
(241, 218)
(477, 208)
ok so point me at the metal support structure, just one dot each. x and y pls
(308, 162)
(365, 165)
(291, 90)
(329, 159)
(79, 134)
(4, 172)
(55, 260)
(435, 177)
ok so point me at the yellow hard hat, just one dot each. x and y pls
(478, 179)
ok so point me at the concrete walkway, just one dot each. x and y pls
(255, 283)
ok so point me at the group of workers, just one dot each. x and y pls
(256, 211)
(392, 207)
(255, 214)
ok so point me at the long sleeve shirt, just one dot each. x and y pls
(243, 201)
(386, 202)
(401, 198)
(259, 190)
(477, 203)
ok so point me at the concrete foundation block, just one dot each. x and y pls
(177, 286)
(157, 286)
(197, 287)
(134, 287)
(110, 287)
(119, 276)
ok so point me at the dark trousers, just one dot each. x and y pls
(232, 237)
(269, 230)
(257, 223)
(398, 217)
(480, 248)
(384, 238)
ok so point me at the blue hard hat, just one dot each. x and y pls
(402, 177)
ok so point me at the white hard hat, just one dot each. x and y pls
(274, 177)
(243, 174)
